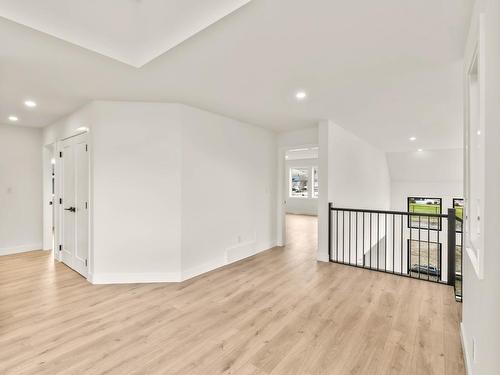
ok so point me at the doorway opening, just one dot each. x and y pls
(298, 188)
(66, 201)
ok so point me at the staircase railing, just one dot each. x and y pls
(408, 244)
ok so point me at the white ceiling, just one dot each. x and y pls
(385, 69)
(131, 31)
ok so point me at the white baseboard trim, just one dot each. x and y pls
(302, 212)
(171, 277)
(19, 249)
(224, 261)
(322, 257)
(467, 359)
(133, 278)
(203, 268)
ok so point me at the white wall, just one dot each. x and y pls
(173, 188)
(481, 307)
(355, 174)
(20, 189)
(301, 137)
(432, 174)
(228, 190)
(300, 206)
(137, 190)
(358, 173)
(70, 125)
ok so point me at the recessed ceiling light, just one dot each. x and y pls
(82, 129)
(412, 139)
(30, 103)
(420, 150)
(13, 118)
(301, 95)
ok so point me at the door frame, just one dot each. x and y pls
(49, 153)
(58, 209)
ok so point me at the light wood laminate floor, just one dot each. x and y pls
(279, 312)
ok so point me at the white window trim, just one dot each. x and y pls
(314, 167)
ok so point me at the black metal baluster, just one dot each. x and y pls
(438, 256)
(452, 238)
(410, 247)
(419, 230)
(343, 236)
(370, 245)
(378, 241)
(363, 247)
(356, 239)
(402, 246)
(350, 237)
(337, 236)
(462, 261)
(428, 248)
(385, 244)
(393, 240)
(330, 231)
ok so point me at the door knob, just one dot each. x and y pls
(72, 209)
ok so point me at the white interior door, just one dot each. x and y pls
(74, 193)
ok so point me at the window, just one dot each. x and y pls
(424, 259)
(299, 182)
(474, 153)
(303, 182)
(315, 182)
(424, 206)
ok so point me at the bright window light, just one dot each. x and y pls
(300, 95)
(299, 182)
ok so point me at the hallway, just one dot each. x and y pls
(279, 312)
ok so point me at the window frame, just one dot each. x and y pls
(440, 228)
(459, 227)
(314, 168)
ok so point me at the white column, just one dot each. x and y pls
(323, 199)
